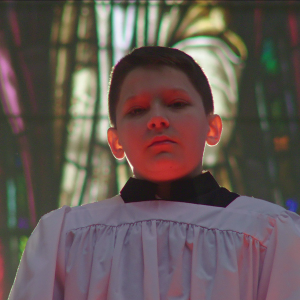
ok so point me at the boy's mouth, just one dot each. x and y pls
(160, 140)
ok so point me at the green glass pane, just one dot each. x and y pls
(22, 244)
(11, 203)
(269, 58)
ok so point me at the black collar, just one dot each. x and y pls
(202, 189)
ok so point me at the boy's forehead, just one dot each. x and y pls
(158, 68)
(146, 76)
(162, 78)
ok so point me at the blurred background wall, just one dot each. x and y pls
(55, 61)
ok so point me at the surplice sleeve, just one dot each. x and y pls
(280, 277)
(37, 277)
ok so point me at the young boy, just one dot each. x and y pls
(172, 233)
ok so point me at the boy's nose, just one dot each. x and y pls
(158, 122)
(158, 119)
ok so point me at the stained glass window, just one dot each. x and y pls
(55, 62)
(26, 188)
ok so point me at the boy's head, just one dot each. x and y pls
(161, 114)
(155, 56)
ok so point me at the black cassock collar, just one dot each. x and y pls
(202, 189)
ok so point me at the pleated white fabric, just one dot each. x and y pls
(157, 250)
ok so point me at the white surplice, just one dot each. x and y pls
(157, 250)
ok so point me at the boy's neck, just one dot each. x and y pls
(163, 190)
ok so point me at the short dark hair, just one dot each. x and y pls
(156, 56)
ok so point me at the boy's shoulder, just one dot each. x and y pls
(69, 218)
(255, 205)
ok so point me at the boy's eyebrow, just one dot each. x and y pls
(165, 92)
(134, 97)
(176, 91)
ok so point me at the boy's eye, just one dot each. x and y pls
(178, 104)
(136, 111)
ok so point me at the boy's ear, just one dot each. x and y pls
(114, 143)
(215, 130)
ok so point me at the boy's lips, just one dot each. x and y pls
(160, 140)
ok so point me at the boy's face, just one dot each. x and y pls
(161, 125)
